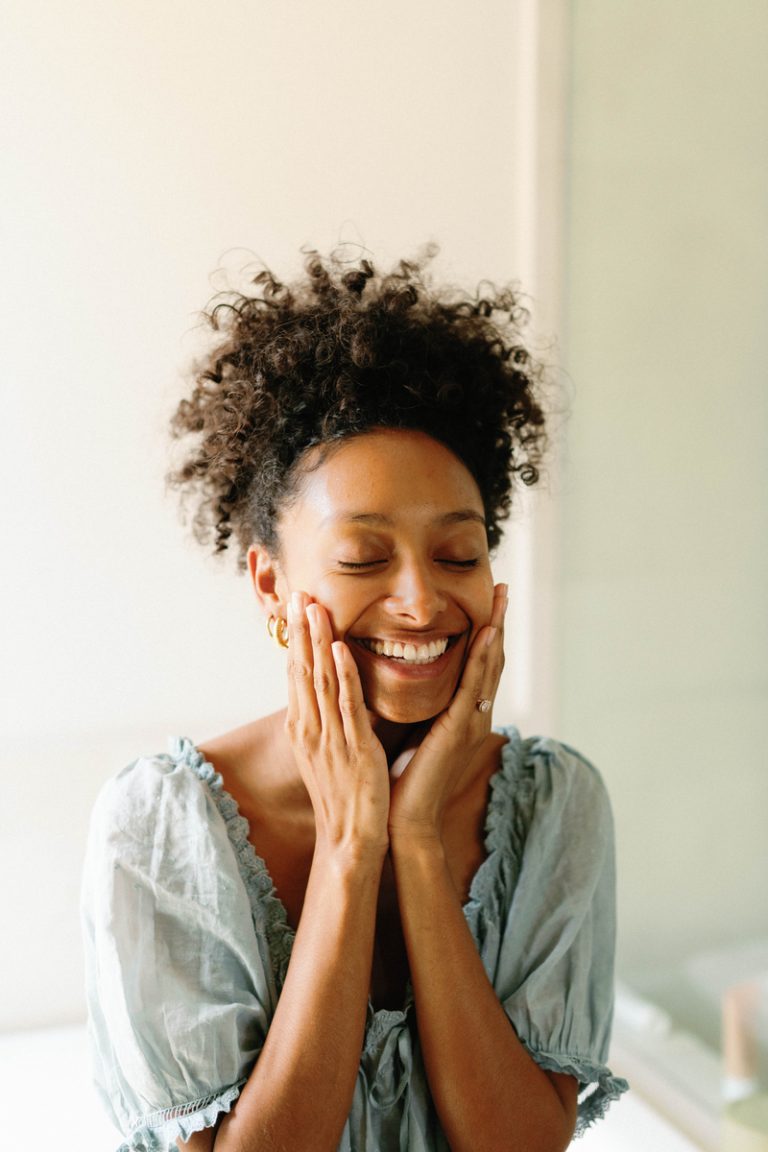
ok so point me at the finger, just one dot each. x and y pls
(500, 601)
(302, 702)
(486, 647)
(485, 662)
(354, 714)
(493, 640)
(324, 677)
(494, 630)
(494, 645)
(471, 688)
(475, 683)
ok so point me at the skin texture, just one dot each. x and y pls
(414, 588)
(382, 772)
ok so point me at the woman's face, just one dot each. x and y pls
(388, 534)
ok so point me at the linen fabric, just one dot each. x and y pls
(187, 946)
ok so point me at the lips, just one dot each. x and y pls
(408, 653)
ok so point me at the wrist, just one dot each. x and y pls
(357, 858)
(423, 842)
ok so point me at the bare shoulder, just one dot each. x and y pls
(260, 773)
(260, 741)
(258, 769)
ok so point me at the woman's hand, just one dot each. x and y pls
(342, 763)
(419, 796)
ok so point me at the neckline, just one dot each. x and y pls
(267, 906)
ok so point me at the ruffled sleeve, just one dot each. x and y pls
(553, 832)
(180, 988)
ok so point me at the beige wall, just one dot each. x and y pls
(664, 609)
(146, 144)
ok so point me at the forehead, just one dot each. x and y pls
(388, 474)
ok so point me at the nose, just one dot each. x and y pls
(415, 593)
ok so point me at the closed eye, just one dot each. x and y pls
(357, 564)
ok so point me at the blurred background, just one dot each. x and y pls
(612, 159)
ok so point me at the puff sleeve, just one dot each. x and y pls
(554, 968)
(179, 985)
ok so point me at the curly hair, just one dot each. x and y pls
(340, 352)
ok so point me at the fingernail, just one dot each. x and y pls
(490, 636)
(294, 609)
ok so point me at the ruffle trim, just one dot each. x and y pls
(507, 821)
(599, 1087)
(158, 1131)
(509, 818)
(512, 794)
(265, 903)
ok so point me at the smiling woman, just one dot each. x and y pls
(389, 536)
(371, 921)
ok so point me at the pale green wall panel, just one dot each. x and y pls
(664, 635)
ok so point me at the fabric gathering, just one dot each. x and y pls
(187, 947)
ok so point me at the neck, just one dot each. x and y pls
(398, 739)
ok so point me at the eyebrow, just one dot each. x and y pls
(460, 516)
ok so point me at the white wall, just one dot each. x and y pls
(664, 610)
(145, 146)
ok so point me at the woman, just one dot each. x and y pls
(370, 921)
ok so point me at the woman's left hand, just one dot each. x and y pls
(420, 794)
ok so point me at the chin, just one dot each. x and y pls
(405, 711)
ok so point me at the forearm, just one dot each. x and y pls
(300, 1090)
(471, 1052)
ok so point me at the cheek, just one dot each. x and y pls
(341, 604)
(479, 604)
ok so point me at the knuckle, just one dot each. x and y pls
(305, 745)
(299, 671)
(299, 626)
(298, 734)
(322, 682)
(349, 706)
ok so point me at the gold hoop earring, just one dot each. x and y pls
(277, 628)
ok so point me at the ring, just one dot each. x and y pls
(483, 705)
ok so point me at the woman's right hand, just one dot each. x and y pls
(342, 763)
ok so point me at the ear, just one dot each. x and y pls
(268, 582)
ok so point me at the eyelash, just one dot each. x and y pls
(357, 565)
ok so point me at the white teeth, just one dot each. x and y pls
(409, 653)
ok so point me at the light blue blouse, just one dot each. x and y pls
(187, 946)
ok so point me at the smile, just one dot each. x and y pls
(407, 653)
